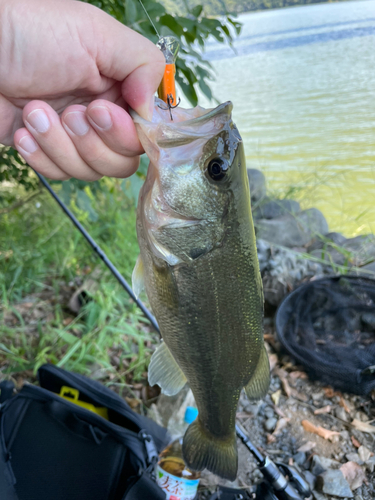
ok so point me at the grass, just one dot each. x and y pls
(43, 259)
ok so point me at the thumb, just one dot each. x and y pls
(128, 57)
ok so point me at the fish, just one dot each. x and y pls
(199, 268)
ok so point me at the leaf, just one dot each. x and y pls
(197, 10)
(136, 182)
(345, 405)
(5, 349)
(320, 431)
(67, 337)
(364, 453)
(307, 446)
(325, 409)
(84, 203)
(289, 391)
(205, 89)
(298, 374)
(189, 91)
(363, 426)
(66, 192)
(354, 474)
(276, 397)
(329, 392)
(143, 165)
(130, 12)
(281, 424)
(355, 442)
(273, 359)
(172, 24)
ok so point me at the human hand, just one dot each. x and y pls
(68, 71)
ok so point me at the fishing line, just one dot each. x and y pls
(149, 18)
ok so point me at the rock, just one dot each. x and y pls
(352, 252)
(364, 244)
(318, 496)
(345, 436)
(353, 457)
(292, 230)
(269, 413)
(368, 270)
(253, 408)
(257, 183)
(317, 395)
(310, 478)
(354, 474)
(359, 415)
(322, 241)
(270, 424)
(320, 464)
(370, 464)
(341, 414)
(364, 453)
(332, 482)
(282, 269)
(275, 208)
(299, 458)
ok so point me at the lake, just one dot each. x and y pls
(302, 83)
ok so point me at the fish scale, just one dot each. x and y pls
(200, 271)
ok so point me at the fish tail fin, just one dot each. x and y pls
(202, 450)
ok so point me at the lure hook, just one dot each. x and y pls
(170, 105)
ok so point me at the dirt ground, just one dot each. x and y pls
(300, 422)
(280, 426)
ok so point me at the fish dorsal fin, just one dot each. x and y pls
(259, 383)
(165, 372)
(138, 277)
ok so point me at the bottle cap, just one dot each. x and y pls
(191, 414)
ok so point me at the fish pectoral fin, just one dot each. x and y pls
(138, 277)
(165, 372)
(259, 383)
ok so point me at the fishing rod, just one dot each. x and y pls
(276, 486)
(116, 273)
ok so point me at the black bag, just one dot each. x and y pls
(52, 449)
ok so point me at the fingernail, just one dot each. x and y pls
(146, 111)
(101, 117)
(28, 144)
(76, 122)
(38, 120)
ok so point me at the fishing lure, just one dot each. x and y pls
(169, 46)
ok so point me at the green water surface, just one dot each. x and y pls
(303, 88)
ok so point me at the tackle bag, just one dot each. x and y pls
(52, 448)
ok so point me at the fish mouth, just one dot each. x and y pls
(188, 125)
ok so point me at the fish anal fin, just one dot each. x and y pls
(165, 372)
(201, 450)
(259, 383)
(138, 280)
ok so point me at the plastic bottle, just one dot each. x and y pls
(173, 477)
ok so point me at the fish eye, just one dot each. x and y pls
(217, 169)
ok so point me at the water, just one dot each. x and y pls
(303, 88)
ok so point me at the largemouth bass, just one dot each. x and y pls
(198, 265)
